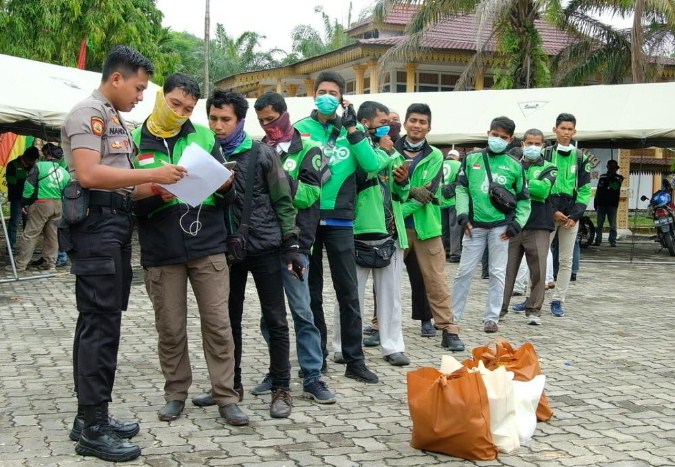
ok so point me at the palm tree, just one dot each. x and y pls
(308, 42)
(610, 53)
(520, 60)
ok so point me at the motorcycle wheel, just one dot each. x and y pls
(669, 243)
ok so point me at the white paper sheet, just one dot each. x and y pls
(204, 176)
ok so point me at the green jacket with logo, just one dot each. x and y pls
(541, 176)
(473, 185)
(572, 189)
(338, 189)
(450, 171)
(380, 196)
(427, 172)
(164, 227)
(302, 164)
(46, 180)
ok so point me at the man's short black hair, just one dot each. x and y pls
(183, 82)
(566, 118)
(271, 99)
(369, 110)
(423, 109)
(219, 98)
(32, 153)
(332, 77)
(534, 132)
(503, 123)
(127, 61)
(52, 150)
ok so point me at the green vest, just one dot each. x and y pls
(148, 159)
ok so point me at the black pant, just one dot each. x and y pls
(339, 244)
(100, 251)
(418, 293)
(266, 273)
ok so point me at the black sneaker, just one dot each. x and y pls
(452, 342)
(373, 340)
(263, 388)
(318, 391)
(360, 372)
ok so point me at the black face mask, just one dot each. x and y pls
(394, 130)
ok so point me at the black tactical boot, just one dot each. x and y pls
(125, 430)
(100, 440)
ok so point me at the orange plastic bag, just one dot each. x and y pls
(522, 361)
(450, 414)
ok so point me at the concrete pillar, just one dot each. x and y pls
(622, 220)
(292, 90)
(309, 87)
(261, 90)
(374, 77)
(360, 71)
(480, 80)
(280, 86)
(410, 70)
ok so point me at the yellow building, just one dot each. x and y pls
(449, 47)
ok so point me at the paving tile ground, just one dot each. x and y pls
(608, 364)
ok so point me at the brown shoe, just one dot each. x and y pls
(490, 326)
(281, 404)
(206, 399)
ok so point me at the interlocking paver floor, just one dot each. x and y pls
(608, 364)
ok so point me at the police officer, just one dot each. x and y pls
(98, 150)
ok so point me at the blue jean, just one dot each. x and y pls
(307, 336)
(15, 218)
(608, 212)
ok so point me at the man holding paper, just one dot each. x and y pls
(181, 243)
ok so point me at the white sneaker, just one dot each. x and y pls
(534, 320)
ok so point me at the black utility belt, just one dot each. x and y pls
(109, 199)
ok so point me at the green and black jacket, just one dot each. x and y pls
(572, 189)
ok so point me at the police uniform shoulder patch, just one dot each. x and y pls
(97, 126)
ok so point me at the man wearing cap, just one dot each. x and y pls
(607, 201)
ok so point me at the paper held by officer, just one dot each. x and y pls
(204, 176)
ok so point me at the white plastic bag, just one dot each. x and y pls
(527, 395)
(503, 419)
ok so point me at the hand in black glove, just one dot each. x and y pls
(512, 229)
(290, 254)
(349, 117)
(421, 194)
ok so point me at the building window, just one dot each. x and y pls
(366, 85)
(350, 87)
(435, 82)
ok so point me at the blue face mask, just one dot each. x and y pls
(382, 131)
(327, 104)
(532, 152)
(496, 144)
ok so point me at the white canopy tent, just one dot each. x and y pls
(621, 116)
(36, 97)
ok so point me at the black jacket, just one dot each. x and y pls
(272, 213)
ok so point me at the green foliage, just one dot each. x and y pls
(52, 30)
(308, 42)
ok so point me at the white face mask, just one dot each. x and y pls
(565, 148)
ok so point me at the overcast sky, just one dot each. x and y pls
(273, 18)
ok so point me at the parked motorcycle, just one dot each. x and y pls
(662, 214)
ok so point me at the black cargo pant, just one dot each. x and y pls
(339, 244)
(100, 251)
